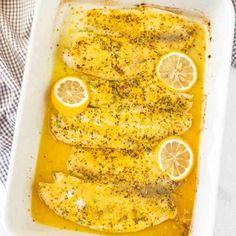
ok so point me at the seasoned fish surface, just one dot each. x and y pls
(119, 127)
(110, 58)
(146, 92)
(132, 168)
(149, 26)
(105, 207)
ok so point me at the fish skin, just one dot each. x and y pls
(119, 127)
(132, 168)
(108, 208)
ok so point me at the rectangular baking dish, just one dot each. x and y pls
(18, 220)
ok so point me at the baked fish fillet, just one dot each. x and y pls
(110, 58)
(105, 207)
(142, 26)
(126, 43)
(132, 168)
(146, 92)
(119, 127)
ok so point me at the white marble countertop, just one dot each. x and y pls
(225, 224)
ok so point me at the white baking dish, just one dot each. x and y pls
(18, 219)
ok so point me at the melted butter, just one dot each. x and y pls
(53, 154)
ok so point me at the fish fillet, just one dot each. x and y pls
(149, 26)
(119, 127)
(105, 207)
(131, 168)
(110, 58)
(147, 92)
(105, 48)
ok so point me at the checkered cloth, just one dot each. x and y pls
(15, 24)
(234, 45)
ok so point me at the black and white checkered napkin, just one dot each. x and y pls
(234, 45)
(15, 24)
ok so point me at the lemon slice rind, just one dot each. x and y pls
(73, 79)
(78, 97)
(187, 169)
(173, 74)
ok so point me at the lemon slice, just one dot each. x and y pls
(175, 158)
(70, 96)
(177, 71)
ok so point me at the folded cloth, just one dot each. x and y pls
(15, 25)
